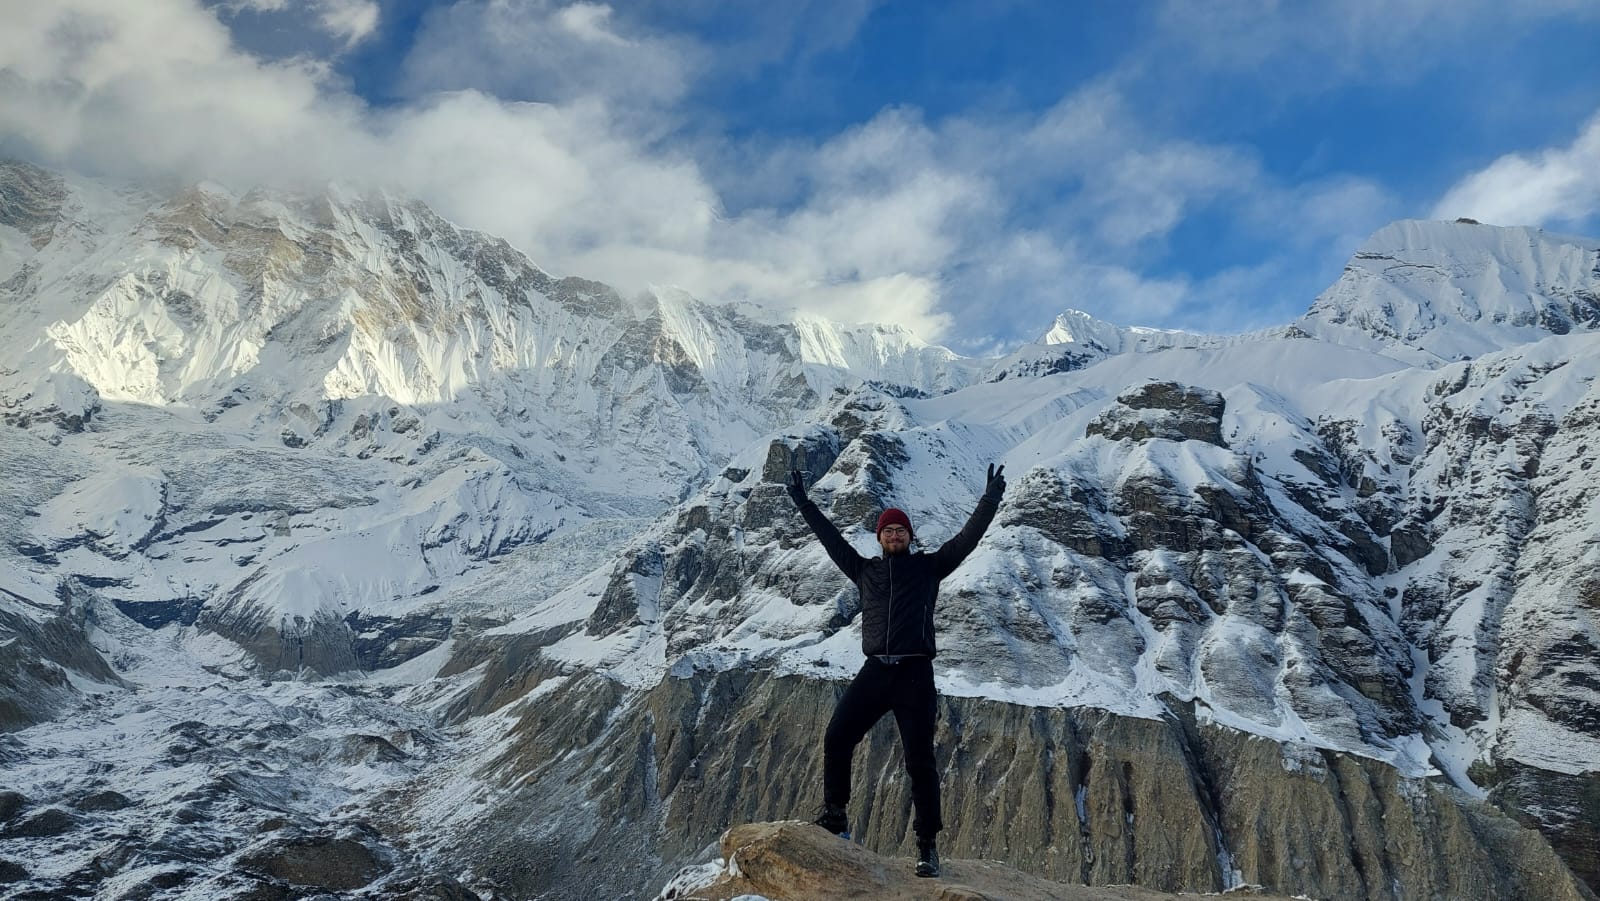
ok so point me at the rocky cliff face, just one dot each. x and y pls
(1077, 796)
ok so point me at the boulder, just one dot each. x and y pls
(103, 800)
(334, 863)
(11, 804)
(41, 824)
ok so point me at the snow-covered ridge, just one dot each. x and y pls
(1079, 328)
(1076, 340)
(177, 300)
(1436, 292)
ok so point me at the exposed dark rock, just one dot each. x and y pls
(1163, 410)
(1565, 807)
(381, 642)
(103, 800)
(1070, 515)
(813, 455)
(322, 645)
(1157, 514)
(11, 871)
(369, 749)
(644, 344)
(265, 890)
(862, 411)
(155, 614)
(192, 813)
(41, 824)
(326, 862)
(156, 884)
(11, 804)
(512, 668)
(1363, 547)
(30, 200)
(619, 604)
(1410, 541)
(111, 859)
(1242, 511)
(433, 888)
(33, 686)
(1038, 365)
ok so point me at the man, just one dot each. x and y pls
(898, 591)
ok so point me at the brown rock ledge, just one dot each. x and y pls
(794, 861)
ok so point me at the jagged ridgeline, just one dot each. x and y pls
(346, 550)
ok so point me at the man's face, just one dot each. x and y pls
(894, 539)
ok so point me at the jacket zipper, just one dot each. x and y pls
(888, 633)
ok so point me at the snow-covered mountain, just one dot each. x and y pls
(362, 402)
(521, 547)
(1432, 293)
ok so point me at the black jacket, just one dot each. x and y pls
(898, 592)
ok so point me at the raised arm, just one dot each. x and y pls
(952, 552)
(844, 556)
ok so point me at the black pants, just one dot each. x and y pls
(906, 689)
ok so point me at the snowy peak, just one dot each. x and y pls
(1424, 293)
(1430, 293)
(334, 295)
(1077, 340)
(1079, 328)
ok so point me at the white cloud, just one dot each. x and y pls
(548, 51)
(589, 22)
(264, 6)
(157, 88)
(945, 226)
(351, 20)
(1554, 185)
(559, 181)
(160, 91)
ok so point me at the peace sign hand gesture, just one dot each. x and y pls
(995, 483)
(796, 487)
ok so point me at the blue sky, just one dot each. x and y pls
(966, 169)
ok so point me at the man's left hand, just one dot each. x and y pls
(995, 485)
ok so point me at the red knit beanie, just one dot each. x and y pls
(894, 516)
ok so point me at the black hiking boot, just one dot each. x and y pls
(927, 858)
(832, 818)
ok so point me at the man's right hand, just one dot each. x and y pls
(796, 487)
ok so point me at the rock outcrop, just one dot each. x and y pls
(794, 861)
(43, 641)
(1167, 410)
